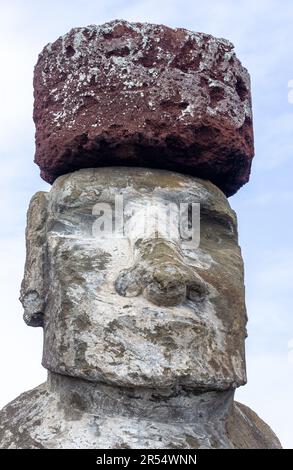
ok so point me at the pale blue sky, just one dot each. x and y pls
(262, 33)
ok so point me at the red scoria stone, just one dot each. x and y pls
(135, 94)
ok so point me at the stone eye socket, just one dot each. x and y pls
(218, 222)
(70, 224)
(216, 231)
(59, 227)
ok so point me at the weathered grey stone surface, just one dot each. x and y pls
(71, 413)
(143, 331)
(138, 311)
(33, 288)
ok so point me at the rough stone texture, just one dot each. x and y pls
(71, 413)
(145, 311)
(33, 289)
(143, 331)
(143, 95)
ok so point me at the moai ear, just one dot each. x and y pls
(32, 294)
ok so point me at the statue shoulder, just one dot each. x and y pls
(247, 430)
(19, 417)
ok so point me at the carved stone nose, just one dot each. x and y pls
(163, 284)
(160, 274)
(167, 286)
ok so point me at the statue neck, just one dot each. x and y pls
(175, 405)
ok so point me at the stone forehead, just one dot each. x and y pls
(88, 186)
(143, 95)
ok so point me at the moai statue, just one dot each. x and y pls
(133, 267)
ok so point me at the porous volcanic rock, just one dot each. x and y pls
(135, 94)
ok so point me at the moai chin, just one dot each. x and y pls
(144, 330)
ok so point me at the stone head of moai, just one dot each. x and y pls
(146, 309)
(158, 118)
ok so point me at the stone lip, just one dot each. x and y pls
(147, 95)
